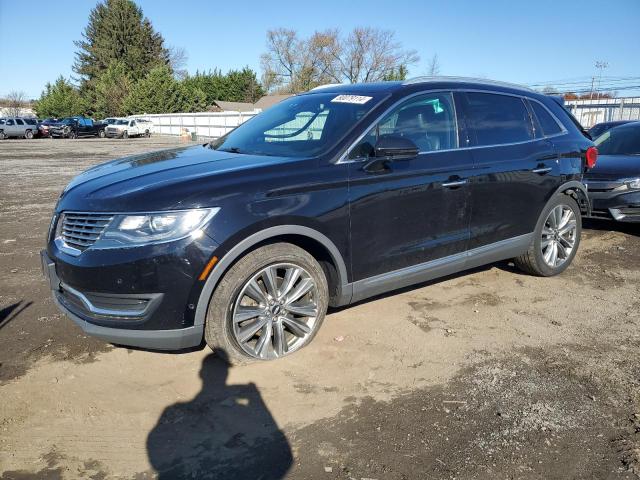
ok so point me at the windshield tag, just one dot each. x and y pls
(358, 99)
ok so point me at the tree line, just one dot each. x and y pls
(123, 66)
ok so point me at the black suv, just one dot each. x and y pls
(327, 198)
(75, 127)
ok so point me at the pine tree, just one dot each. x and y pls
(112, 88)
(159, 92)
(61, 99)
(118, 31)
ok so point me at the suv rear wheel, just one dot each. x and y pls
(28, 134)
(555, 240)
(268, 305)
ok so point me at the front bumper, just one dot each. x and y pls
(57, 133)
(106, 293)
(113, 133)
(615, 205)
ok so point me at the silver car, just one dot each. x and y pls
(18, 127)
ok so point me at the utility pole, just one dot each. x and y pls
(600, 65)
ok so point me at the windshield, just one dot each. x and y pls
(301, 126)
(121, 122)
(624, 140)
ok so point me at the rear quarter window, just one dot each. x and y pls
(545, 120)
(498, 119)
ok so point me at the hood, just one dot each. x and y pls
(188, 177)
(615, 167)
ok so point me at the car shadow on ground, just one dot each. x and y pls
(225, 432)
(611, 226)
(7, 314)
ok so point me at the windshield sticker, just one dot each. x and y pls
(358, 99)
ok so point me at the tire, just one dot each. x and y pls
(101, 134)
(538, 259)
(147, 134)
(222, 333)
(125, 134)
(3, 136)
(28, 134)
(72, 135)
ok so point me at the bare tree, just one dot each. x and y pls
(434, 66)
(15, 102)
(294, 64)
(369, 54)
(178, 58)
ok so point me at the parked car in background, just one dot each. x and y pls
(74, 127)
(45, 125)
(18, 127)
(110, 120)
(599, 128)
(129, 127)
(614, 183)
(326, 198)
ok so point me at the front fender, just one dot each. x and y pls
(235, 252)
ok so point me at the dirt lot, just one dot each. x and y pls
(488, 374)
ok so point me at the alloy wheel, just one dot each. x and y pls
(558, 236)
(275, 312)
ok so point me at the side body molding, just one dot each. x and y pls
(344, 293)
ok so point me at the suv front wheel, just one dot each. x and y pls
(268, 305)
(555, 240)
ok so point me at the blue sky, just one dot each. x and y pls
(520, 41)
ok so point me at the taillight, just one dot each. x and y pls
(592, 157)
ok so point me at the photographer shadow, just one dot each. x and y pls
(226, 431)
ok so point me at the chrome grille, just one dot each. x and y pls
(81, 230)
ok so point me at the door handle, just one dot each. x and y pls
(542, 170)
(456, 183)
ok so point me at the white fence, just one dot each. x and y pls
(205, 124)
(590, 112)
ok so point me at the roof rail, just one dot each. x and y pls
(432, 79)
(326, 85)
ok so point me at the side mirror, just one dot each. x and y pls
(395, 147)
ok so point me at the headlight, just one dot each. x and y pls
(159, 227)
(632, 183)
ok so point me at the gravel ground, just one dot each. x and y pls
(486, 374)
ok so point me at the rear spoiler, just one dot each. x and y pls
(559, 99)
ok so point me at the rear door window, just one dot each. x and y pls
(498, 119)
(545, 120)
(19, 122)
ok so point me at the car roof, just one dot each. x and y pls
(614, 122)
(629, 124)
(433, 82)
